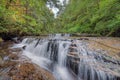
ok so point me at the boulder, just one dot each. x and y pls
(28, 71)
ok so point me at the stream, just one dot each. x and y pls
(70, 59)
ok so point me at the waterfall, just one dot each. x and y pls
(70, 59)
(56, 6)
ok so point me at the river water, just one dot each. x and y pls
(56, 6)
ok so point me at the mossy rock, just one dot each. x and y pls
(1, 39)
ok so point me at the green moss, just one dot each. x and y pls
(1, 40)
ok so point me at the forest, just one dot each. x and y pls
(32, 17)
(59, 39)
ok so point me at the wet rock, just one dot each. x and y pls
(73, 45)
(108, 60)
(83, 39)
(17, 39)
(73, 58)
(53, 48)
(73, 49)
(73, 61)
(4, 77)
(84, 35)
(118, 54)
(24, 47)
(1, 60)
(8, 64)
(27, 71)
(73, 54)
(1, 40)
(72, 64)
(22, 72)
(8, 36)
(13, 69)
(36, 43)
(3, 53)
(17, 50)
(13, 56)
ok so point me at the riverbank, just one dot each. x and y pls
(111, 45)
(17, 67)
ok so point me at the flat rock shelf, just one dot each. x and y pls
(61, 57)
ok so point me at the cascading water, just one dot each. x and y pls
(92, 65)
(69, 59)
(56, 6)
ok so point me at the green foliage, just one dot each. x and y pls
(39, 21)
(92, 16)
(80, 16)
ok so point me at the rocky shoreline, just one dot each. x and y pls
(12, 67)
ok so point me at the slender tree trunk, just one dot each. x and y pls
(98, 4)
(26, 6)
(8, 3)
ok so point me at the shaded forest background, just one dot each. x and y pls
(32, 17)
